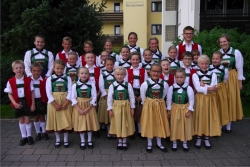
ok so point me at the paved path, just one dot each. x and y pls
(228, 150)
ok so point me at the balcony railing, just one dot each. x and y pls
(116, 39)
(112, 16)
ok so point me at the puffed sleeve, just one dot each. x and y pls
(27, 63)
(93, 95)
(49, 90)
(239, 63)
(110, 97)
(131, 96)
(169, 97)
(8, 88)
(69, 88)
(143, 89)
(50, 64)
(190, 93)
(101, 86)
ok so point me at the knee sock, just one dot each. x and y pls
(43, 125)
(57, 137)
(66, 137)
(174, 144)
(139, 128)
(198, 141)
(28, 129)
(23, 130)
(90, 137)
(158, 139)
(185, 144)
(37, 126)
(119, 142)
(207, 141)
(82, 136)
(228, 126)
(149, 143)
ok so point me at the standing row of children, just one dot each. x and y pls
(126, 88)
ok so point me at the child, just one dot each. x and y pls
(41, 100)
(105, 80)
(87, 47)
(72, 67)
(187, 44)
(125, 61)
(64, 54)
(153, 45)
(187, 59)
(132, 39)
(196, 55)
(84, 116)
(206, 117)
(136, 75)
(121, 104)
(101, 60)
(108, 47)
(154, 122)
(174, 63)
(166, 76)
(221, 94)
(233, 61)
(40, 55)
(147, 62)
(21, 95)
(58, 89)
(180, 102)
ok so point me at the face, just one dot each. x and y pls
(83, 74)
(104, 55)
(87, 48)
(172, 53)
(135, 60)
(155, 73)
(165, 67)
(153, 45)
(66, 45)
(224, 43)
(59, 69)
(89, 58)
(132, 40)
(203, 64)
(216, 60)
(147, 56)
(18, 69)
(180, 77)
(109, 66)
(39, 43)
(108, 47)
(125, 53)
(188, 35)
(196, 56)
(119, 75)
(187, 61)
(72, 59)
(36, 72)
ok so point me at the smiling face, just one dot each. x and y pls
(203, 64)
(83, 74)
(135, 60)
(39, 43)
(36, 72)
(66, 45)
(155, 73)
(125, 53)
(172, 53)
(72, 59)
(119, 75)
(109, 65)
(132, 39)
(180, 77)
(224, 43)
(18, 69)
(187, 61)
(87, 48)
(153, 45)
(165, 65)
(108, 47)
(216, 59)
(188, 35)
(58, 69)
(89, 58)
(147, 55)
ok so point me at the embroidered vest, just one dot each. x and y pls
(229, 63)
(154, 93)
(205, 75)
(121, 94)
(182, 49)
(106, 81)
(43, 62)
(83, 93)
(62, 56)
(220, 75)
(180, 98)
(123, 63)
(59, 86)
(131, 76)
(72, 73)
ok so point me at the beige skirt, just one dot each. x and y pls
(206, 117)
(122, 123)
(83, 123)
(103, 114)
(58, 120)
(154, 121)
(181, 126)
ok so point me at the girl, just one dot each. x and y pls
(121, 104)
(166, 76)
(88, 47)
(180, 102)
(196, 54)
(174, 63)
(153, 45)
(206, 117)
(101, 60)
(40, 55)
(58, 90)
(221, 94)
(132, 39)
(108, 47)
(105, 80)
(154, 122)
(233, 60)
(147, 62)
(72, 66)
(136, 75)
(84, 116)
(125, 61)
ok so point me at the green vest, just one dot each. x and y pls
(121, 94)
(180, 98)
(43, 62)
(83, 93)
(60, 86)
(106, 81)
(229, 62)
(208, 82)
(155, 93)
(220, 75)
(157, 60)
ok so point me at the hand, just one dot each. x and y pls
(132, 112)
(111, 114)
(139, 98)
(202, 84)
(214, 88)
(46, 77)
(65, 105)
(56, 106)
(105, 97)
(240, 84)
(18, 106)
(32, 108)
(79, 112)
(86, 111)
(188, 113)
(168, 113)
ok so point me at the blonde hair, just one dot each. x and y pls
(89, 43)
(181, 70)
(14, 63)
(119, 68)
(73, 53)
(172, 47)
(59, 61)
(82, 68)
(67, 39)
(203, 57)
(35, 64)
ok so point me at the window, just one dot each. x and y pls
(156, 29)
(156, 6)
(116, 7)
(117, 29)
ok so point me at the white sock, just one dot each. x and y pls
(82, 136)
(158, 139)
(57, 137)
(90, 137)
(66, 137)
(228, 126)
(207, 141)
(43, 125)
(28, 129)
(174, 144)
(139, 128)
(108, 127)
(149, 143)
(185, 144)
(124, 141)
(37, 127)
(198, 141)
(23, 130)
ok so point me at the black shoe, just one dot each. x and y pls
(57, 144)
(22, 141)
(198, 146)
(66, 144)
(45, 136)
(149, 150)
(90, 145)
(132, 137)
(30, 140)
(227, 131)
(82, 147)
(119, 147)
(185, 149)
(162, 148)
(174, 149)
(38, 137)
(208, 147)
(124, 147)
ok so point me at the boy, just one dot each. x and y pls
(21, 95)
(196, 55)
(64, 54)
(72, 66)
(187, 44)
(40, 101)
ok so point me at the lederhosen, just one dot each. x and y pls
(121, 94)
(180, 98)
(220, 75)
(173, 68)
(41, 107)
(43, 62)
(155, 93)
(72, 73)
(25, 110)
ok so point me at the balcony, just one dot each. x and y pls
(112, 16)
(116, 39)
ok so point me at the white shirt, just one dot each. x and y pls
(27, 61)
(218, 71)
(174, 65)
(67, 55)
(111, 93)
(101, 82)
(74, 92)
(190, 94)
(188, 48)
(136, 72)
(73, 69)
(116, 56)
(195, 66)
(148, 65)
(239, 62)
(187, 71)
(49, 87)
(133, 49)
(125, 65)
(37, 93)
(91, 71)
(158, 53)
